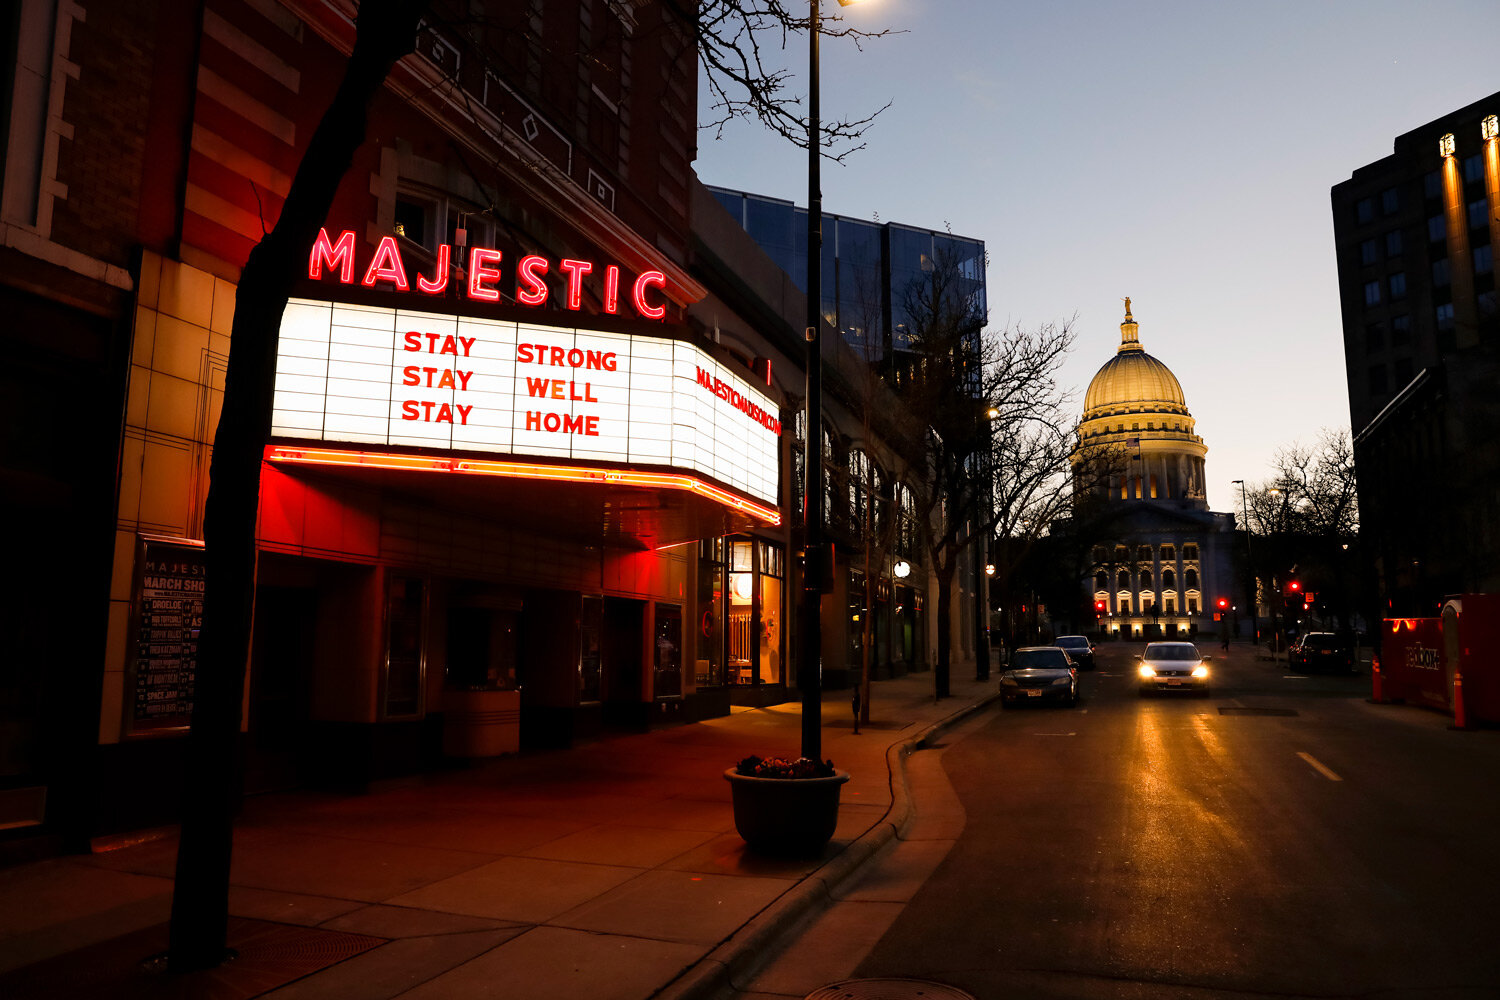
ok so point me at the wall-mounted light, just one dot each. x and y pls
(902, 569)
(1490, 127)
(989, 569)
(1447, 145)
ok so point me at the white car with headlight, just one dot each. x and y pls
(1173, 666)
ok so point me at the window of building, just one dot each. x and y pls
(1441, 273)
(1168, 579)
(1432, 185)
(1364, 210)
(1190, 578)
(1484, 259)
(1390, 201)
(1190, 551)
(1374, 337)
(1192, 605)
(1479, 213)
(1168, 553)
(1400, 330)
(1367, 252)
(1170, 604)
(1393, 243)
(1372, 293)
(1445, 316)
(709, 662)
(1474, 167)
(1437, 229)
(1377, 380)
(1397, 283)
(772, 571)
(1402, 369)
(1123, 580)
(1143, 553)
(1101, 581)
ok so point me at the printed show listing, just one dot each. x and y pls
(170, 609)
(380, 377)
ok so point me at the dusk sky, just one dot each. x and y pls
(1177, 153)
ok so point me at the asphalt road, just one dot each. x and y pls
(1187, 847)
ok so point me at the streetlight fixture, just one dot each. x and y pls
(815, 556)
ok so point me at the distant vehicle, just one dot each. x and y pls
(1321, 651)
(1173, 666)
(1038, 674)
(1079, 650)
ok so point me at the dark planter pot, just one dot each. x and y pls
(790, 817)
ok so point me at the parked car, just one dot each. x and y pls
(1173, 666)
(1079, 649)
(1321, 651)
(1038, 674)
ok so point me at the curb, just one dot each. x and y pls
(736, 958)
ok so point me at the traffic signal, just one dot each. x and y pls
(1293, 586)
(1222, 603)
(1101, 606)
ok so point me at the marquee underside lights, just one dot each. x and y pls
(284, 455)
(471, 389)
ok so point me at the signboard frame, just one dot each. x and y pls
(167, 582)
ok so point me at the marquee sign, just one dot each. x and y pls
(381, 377)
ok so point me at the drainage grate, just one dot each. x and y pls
(888, 989)
(1230, 710)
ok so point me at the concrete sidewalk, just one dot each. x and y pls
(609, 871)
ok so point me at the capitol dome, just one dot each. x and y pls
(1133, 381)
(1135, 415)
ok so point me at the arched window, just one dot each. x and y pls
(1124, 580)
(1101, 581)
(799, 464)
(858, 483)
(834, 511)
(1190, 579)
(907, 539)
(1168, 579)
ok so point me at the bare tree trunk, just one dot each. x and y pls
(386, 30)
(945, 571)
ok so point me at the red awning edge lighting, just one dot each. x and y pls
(520, 470)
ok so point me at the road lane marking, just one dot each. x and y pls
(1318, 766)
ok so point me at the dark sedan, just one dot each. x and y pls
(1079, 649)
(1321, 651)
(1038, 674)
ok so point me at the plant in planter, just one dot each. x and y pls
(783, 806)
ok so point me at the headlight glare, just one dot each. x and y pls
(1200, 671)
(1145, 670)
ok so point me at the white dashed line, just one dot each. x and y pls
(1318, 766)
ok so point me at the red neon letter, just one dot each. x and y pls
(639, 294)
(535, 292)
(576, 270)
(611, 289)
(340, 254)
(386, 265)
(480, 272)
(440, 277)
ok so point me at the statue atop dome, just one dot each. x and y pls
(1127, 308)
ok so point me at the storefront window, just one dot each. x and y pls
(772, 572)
(708, 667)
(741, 611)
(406, 646)
(667, 666)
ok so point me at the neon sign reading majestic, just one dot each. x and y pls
(387, 267)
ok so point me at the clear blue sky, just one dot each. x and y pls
(1179, 153)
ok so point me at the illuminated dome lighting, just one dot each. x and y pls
(1133, 380)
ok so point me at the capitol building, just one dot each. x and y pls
(1164, 560)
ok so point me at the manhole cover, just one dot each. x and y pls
(888, 989)
(1230, 710)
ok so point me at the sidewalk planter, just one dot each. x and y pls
(787, 817)
(483, 723)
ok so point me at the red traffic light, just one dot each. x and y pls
(1100, 606)
(1293, 585)
(1222, 602)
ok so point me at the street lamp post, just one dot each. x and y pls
(1250, 564)
(815, 565)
